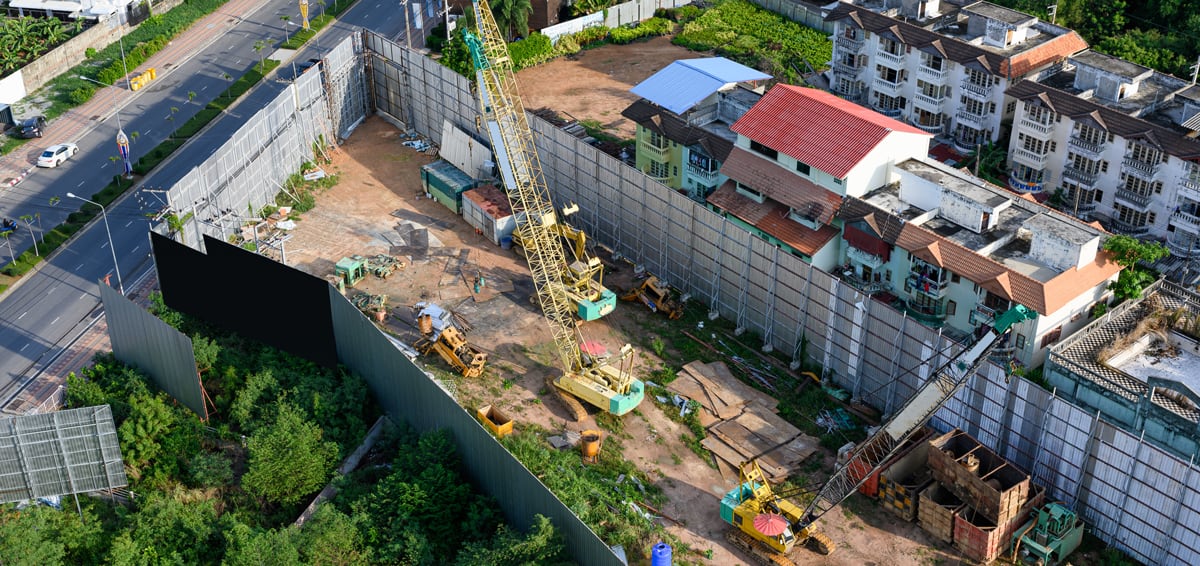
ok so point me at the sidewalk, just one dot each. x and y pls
(77, 122)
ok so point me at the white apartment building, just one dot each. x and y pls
(953, 250)
(941, 68)
(1119, 141)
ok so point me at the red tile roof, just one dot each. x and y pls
(779, 184)
(817, 128)
(772, 218)
(491, 200)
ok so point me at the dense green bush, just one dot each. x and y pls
(591, 37)
(530, 51)
(82, 94)
(649, 28)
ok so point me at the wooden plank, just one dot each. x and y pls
(750, 446)
(729, 381)
(710, 394)
(722, 451)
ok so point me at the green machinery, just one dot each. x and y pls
(350, 270)
(1051, 535)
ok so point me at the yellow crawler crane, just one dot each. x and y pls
(593, 378)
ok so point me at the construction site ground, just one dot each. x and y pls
(379, 187)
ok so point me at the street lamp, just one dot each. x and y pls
(111, 248)
(122, 139)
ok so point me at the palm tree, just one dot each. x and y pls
(285, 19)
(176, 224)
(258, 47)
(28, 220)
(512, 16)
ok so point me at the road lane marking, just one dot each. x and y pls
(23, 347)
(55, 320)
(78, 268)
(22, 315)
(52, 290)
(203, 88)
(83, 295)
(135, 248)
(147, 132)
(80, 183)
(104, 245)
(128, 223)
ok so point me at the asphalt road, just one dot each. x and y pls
(47, 309)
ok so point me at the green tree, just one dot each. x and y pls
(210, 469)
(141, 433)
(512, 17)
(331, 537)
(206, 351)
(176, 224)
(84, 392)
(543, 545)
(457, 57)
(251, 547)
(246, 400)
(258, 48)
(1130, 253)
(288, 459)
(175, 531)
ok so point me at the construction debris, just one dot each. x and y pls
(741, 421)
(382, 265)
(374, 306)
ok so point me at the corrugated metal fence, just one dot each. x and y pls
(1132, 494)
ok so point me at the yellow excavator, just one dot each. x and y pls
(440, 335)
(656, 295)
(600, 380)
(768, 526)
(583, 277)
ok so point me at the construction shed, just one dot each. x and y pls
(486, 208)
(446, 184)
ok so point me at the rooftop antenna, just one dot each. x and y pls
(1195, 69)
(1052, 11)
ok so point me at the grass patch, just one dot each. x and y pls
(301, 37)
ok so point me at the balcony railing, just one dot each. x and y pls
(1189, 222)
(890, 89)
(1026, 157)
(653, 151)
(1021, 186)
(936, 76)
(1139, 168)
(1081, 176)
(1090, 149)
(926, 286)
(965, 146)
(929, 102)
(702, 174)
(846, 69)
(973, 120)
(1127, 229)
(1192, 183)
(849, 43)
(1190, 190)
(931, 128)
(1134, 199)
(868, 259)
(977, 91)
(1043, 130)
(894, 61)
(868, 287)
(1186, 250)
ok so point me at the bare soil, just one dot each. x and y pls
(594, 84)
(379, 186)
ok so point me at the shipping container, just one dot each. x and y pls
(487, 209)
(446, 184)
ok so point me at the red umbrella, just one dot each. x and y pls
(770, 524)
(594, 349)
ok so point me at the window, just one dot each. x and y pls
(763, 150)
(954, 278)
(1051, 337)
(888, 103)
(657, 170)
(1129, 216)
(974, 107)
(888, 75)
(1027, 174)
(1020, 341)
(979, 78)
(675, 170)
(890, 46)
(932, 61)
(1012, 107)
(1091, 134)
(803, 168)
(927, 118)
(1140, 186)
(1039, 114)
(1143, 153)
(850, 32)
(746, 191)
(658, 140)
(1030, 143)
(1082, 163)
(1193, 175)
(931, 90)
(951, 307)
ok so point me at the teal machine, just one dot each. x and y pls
(1052, 534)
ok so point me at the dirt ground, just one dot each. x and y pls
(594, 84)
(379, 187)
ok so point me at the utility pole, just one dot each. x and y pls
(1195, 69)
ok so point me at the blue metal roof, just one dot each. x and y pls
(684, 83)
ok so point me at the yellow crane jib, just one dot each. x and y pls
(607, 384)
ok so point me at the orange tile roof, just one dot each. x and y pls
(1045, 298)
(1052, 51)
(772, 218)
(819, 129)
(779, 184)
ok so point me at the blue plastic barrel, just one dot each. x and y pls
(660, 554)
(506, 242)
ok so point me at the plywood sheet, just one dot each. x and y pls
(723, 375)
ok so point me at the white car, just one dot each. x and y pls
(56, 154)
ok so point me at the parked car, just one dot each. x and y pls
(32, 127)
(56, 154)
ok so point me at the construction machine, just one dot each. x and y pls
(583, 277)
(1050, 536)
(605, 382)
(769, 526)
(383, 265)
(439, 334)
(657, 296)
(351, 270)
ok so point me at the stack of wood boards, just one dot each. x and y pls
(742, 422)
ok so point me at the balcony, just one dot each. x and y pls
(654, 152)
(977, 91)
(1189, 190)
(868, 259)
(929, 74)
(965, 146)
(1086, 148)
(890, 60)
(926, 286)
(1185, 249)
(1032, 159)
(928, 102)
(933, 316)
(1080, 176)
(1037, 128)
(884, 87)
(1020, 186)
(1134, 199)
(851, 44)
(1139, 168)
(972, 120)
(868, 287)
(1192, 183)
(1189, 222)
(935, 129)
(846, 69)
(701, 174)
(1126, 228)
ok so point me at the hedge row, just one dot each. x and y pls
(537, 49)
